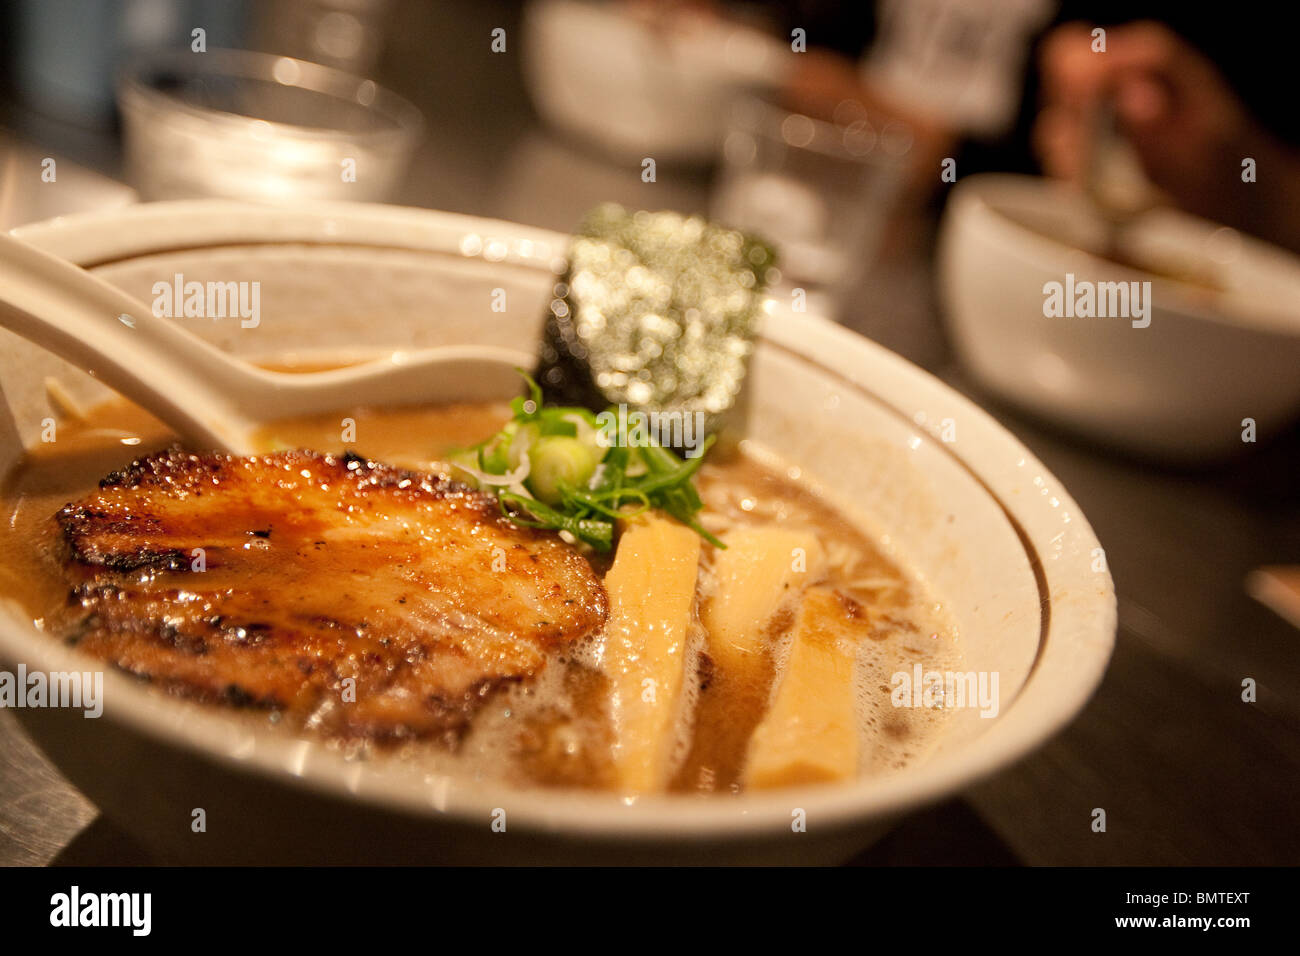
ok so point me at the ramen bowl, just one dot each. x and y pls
(935, 480)
(1207, 357)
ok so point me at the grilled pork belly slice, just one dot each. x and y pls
(368, 601)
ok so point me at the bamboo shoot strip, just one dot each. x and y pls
(761, 569)
(810, 732)
(760, 574)
(651, 588)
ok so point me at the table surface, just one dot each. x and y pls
(1187, 772)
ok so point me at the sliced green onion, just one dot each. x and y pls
(549, 469)
(558, 462)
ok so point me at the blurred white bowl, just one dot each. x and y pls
(638, 87)
(1178, 389)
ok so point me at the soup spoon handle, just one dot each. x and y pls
(189, 385)
(209, 398)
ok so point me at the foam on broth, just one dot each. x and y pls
(552, 731)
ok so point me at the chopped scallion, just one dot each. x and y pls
(549, 468)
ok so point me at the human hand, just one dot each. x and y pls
(1189, 129)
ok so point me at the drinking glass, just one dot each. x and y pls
(820, 191)
(243, 125)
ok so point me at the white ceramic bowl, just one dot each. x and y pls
(1179, 388)
(639, 88)
(993, 532)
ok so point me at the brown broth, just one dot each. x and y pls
(553, 732)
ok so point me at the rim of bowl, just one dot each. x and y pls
(1072, 656)
(986, 192)
(133, 86)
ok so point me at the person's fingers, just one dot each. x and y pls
(1152, 56)
(1181, 83)
(1072, 78)
(1145, 44)
(1142, 100)
(1071, 72)
(1057, 142)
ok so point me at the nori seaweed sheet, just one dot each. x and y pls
(656, 311)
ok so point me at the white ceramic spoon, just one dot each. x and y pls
(212, 400)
